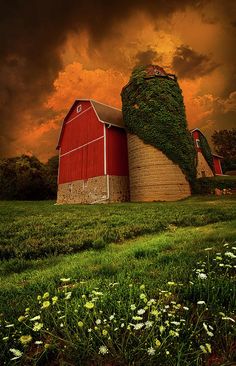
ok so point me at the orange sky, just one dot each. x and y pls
(194, 42)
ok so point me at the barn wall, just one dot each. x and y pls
(116, 151)
(154, 177)
(101, 189)
(217, 165)
(82, 147)
(203, 169)
(82, 191)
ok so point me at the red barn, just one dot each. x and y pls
(203, 168)
(93, 161)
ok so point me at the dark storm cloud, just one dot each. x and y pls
(31, 35)
(188, 64)
(147, 57)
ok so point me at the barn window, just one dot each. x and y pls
(79, 108)
(198, 143)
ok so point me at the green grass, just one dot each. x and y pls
(32, 230)
(172, 239)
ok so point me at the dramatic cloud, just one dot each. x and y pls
(188, 64)
(41, 69)
(147, 57)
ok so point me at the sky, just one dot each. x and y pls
(55, 51)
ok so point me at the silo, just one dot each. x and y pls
(162, 157)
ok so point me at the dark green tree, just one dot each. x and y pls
(225, 144)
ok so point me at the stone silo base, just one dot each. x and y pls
(154, 177)
(103, 189)
(203, 169)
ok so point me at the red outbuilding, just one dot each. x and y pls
(93, 160)
(203, 168)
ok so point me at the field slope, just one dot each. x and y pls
(155, 285)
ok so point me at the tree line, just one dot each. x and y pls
(26, 178)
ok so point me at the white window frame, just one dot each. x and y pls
(198, 143)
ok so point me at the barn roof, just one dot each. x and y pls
(108, 114)
(105, 114)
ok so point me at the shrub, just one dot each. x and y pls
(208, 185)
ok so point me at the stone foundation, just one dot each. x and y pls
(203, 169)
(101, 189)
(154, 177)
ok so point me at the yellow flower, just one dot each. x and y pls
(89, 305)
(80, 324)
(46, 304)
(25, 339)
(39, 297)
(104, 332)
(158, 343)
(54, 299)
(46, 295)
(37, 326)
(21, 318)
(47, 345)
(142, 287)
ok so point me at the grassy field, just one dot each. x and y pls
(162, 292)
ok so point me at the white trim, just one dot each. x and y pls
(105, 149)
(80, 147)
(70, 120)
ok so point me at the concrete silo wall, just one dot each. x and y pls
(154, 177)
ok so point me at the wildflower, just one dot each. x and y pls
(151, 302)
(25, 339)
(137, 318)
(173, 333)
(142, 296)
(112, 317)
(185, 308)
(68, 295)
(230, 254)
(218, 258)
(9, 326)
(5, 338)
(140, 311)
(171, 283)
(151, 351)
(155, 313)
(103, 350)
(89, 330)
(27, 310)
(158, 343)
(122, 325)
(161, 328)
(89, 305)
(65, 279)
(138, 326)
(167, 352)
(37, 317)
(142, 287)
(202, 276)
(54, 299)
(208, 249)
(201, 302)
(37, 327)
(148, 324)
(38, 342)
(98, 321)
(16, 352)
(206, 348)
(21, 318)
(104, 332)
(80, 324)
(46, 295)
(39, 297)
(227, 318)
(47, 345)
(45, 305)
(133, 307)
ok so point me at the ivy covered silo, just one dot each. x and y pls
(162, 156)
